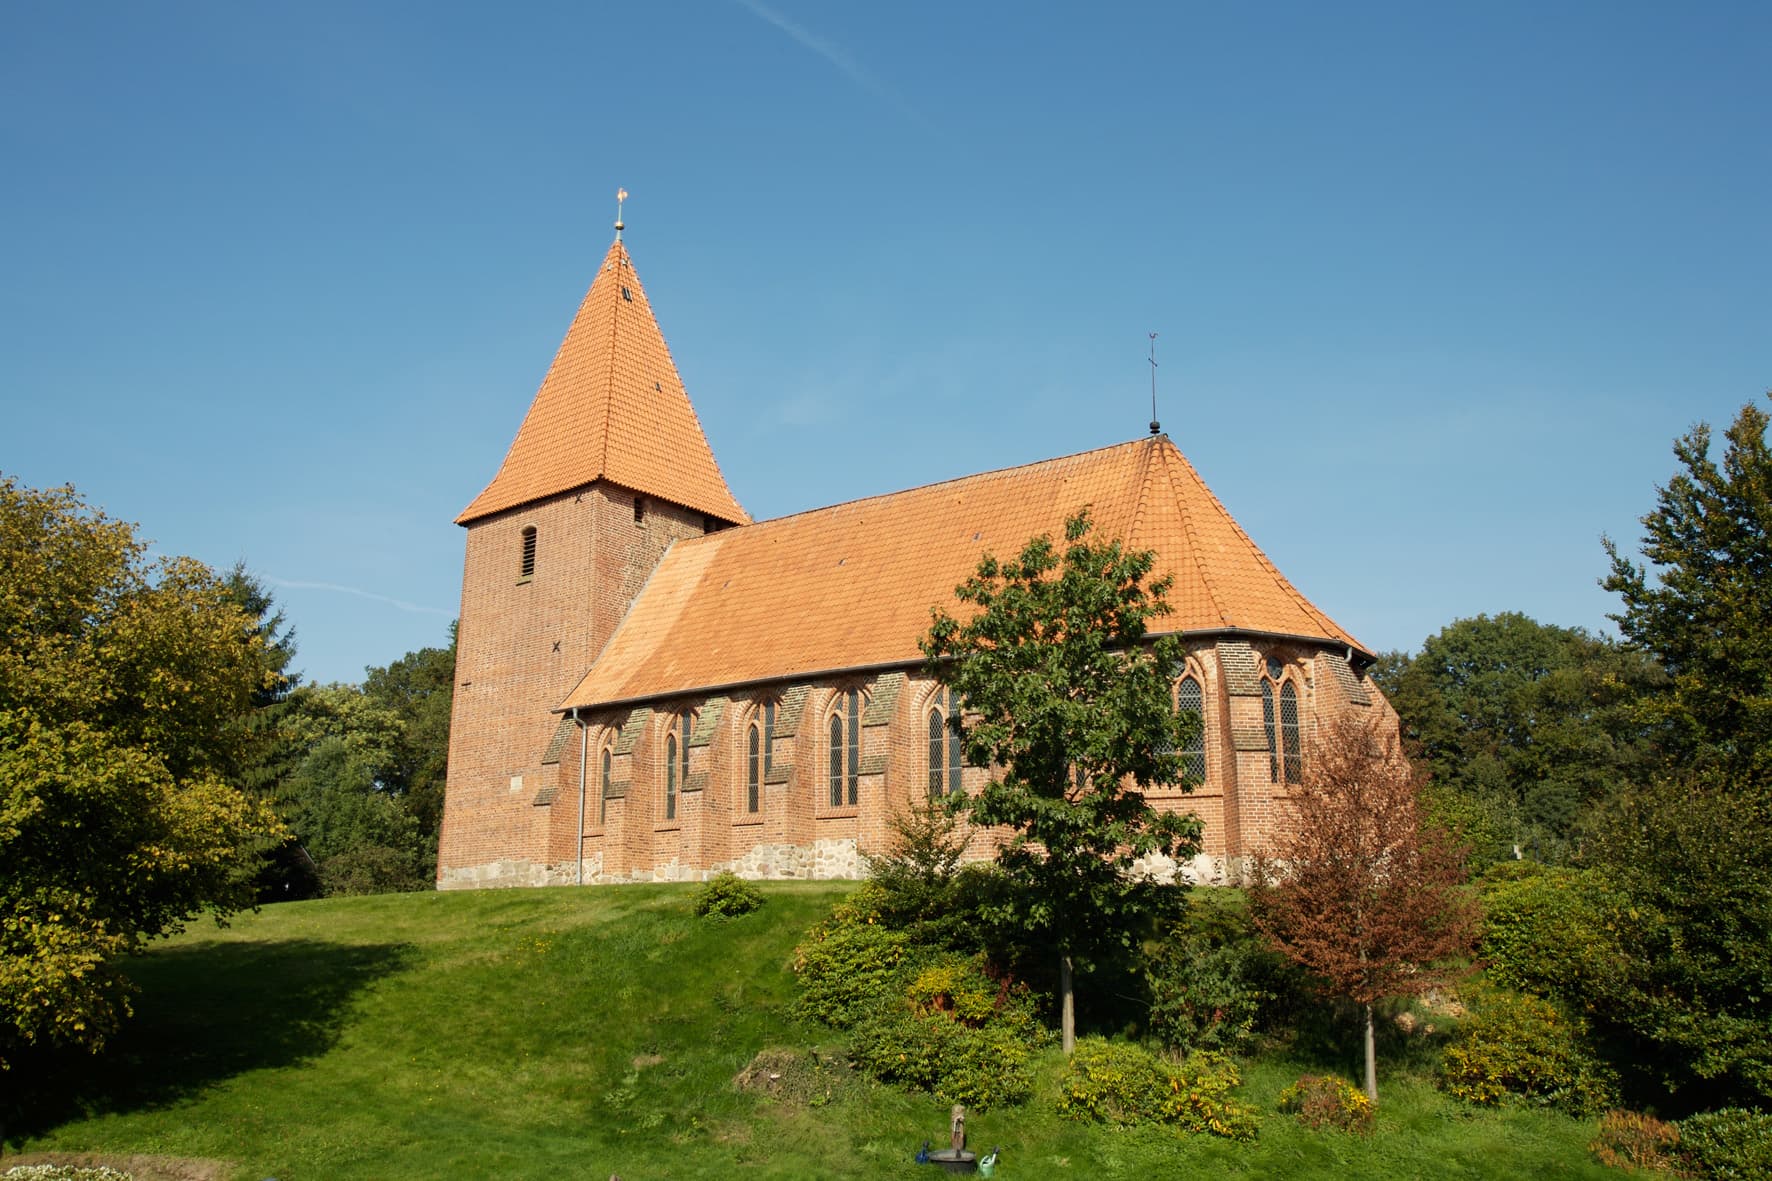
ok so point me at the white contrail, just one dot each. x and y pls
(402, 604)
(832, 54)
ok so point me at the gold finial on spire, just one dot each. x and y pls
(620, 196)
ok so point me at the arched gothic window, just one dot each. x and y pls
(845, 748)
(677, 761)
(603, 782)
(1190, 702)
(944, 748)
(1285, 749)
(1291, 745)
(753, 768)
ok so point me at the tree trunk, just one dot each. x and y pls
(1371, 1061)
(1067, 1020)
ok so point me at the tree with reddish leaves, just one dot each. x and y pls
(1365, 894)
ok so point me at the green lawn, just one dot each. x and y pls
(579, 1033)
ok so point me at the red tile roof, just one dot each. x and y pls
(851, 586)
(613, 408)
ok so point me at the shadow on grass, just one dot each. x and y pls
(203, 1014)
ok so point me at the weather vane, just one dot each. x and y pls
(1156, 427)
(620, 196)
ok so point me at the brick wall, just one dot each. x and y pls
(796, 833)
(523, 644)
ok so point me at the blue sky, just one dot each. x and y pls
(1435, 287)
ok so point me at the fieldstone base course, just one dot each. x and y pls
(835, 860)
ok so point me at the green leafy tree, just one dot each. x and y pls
(1072, 703)
(1525, 727)
(418, 689)
(122, 683)
(1683, 882)
(1703, 603)
(337, 798)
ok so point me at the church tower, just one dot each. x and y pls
(608, 469)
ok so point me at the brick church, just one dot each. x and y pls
(651, 686)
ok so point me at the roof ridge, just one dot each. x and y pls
(1141, 482)
(933, 484)
(1267, 564)
(614, 332)
(1194, 547)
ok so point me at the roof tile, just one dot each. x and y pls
(852, 585)
(611, 407)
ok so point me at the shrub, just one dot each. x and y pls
(966, 991)
(1731, 1143)
(1205, 997)
(1544, 930)
(1522, 1047)
(1124, 1084)
(1324, 1101)
(726, 896)
(850, 968)
(1631, 1141)
(372, 869)
(981, 1067)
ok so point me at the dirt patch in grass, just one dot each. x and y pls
(802, 1078)
(141, 1168)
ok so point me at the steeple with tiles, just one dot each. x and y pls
(609, 467)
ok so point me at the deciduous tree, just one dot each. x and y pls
(122, 681)
(1525, 727)
(1072, 702)
(1364, 893)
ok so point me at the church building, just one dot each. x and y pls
(650, 686)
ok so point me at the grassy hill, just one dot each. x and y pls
(579, 1033)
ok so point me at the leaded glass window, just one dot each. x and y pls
(944, 748)
(1291, 745)
(836, 760)
(1189, 701)
(603, 803)
(677, 761)
(845, 749)
(1267, 726)
(753, 773)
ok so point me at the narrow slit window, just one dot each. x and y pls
(526, 563)
(639, 510)
(671, 776)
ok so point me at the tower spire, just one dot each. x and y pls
(620, 196)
